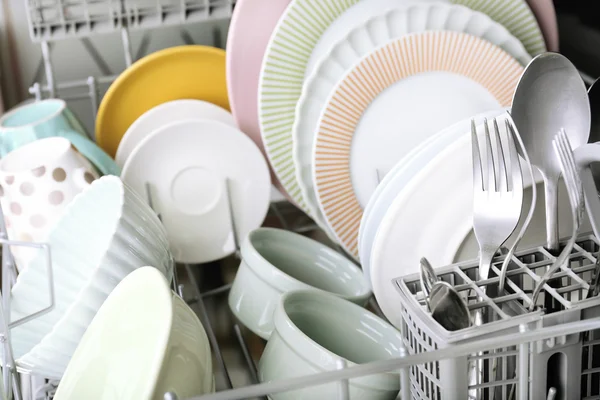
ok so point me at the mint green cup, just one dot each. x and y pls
(275, 262)
(313, 331)
(48, 118)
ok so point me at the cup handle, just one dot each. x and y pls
(98, 157)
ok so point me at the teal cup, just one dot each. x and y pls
(48, 118)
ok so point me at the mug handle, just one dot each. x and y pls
(102, 161)
(584, 156)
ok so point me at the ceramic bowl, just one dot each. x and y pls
(103, 235)
(143, 342)
(313, 331)
(275, 262)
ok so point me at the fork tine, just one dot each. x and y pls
(491, 170)
(502, 176)
(477, 167)
(559, 147)
(514, 164)
(572, 166)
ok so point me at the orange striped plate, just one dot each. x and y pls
(454, 52)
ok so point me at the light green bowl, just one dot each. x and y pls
(313, 330)
(275, 262)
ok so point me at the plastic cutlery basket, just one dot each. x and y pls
(571, 364)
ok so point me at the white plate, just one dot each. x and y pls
(400, 176)
(432, 217)
(366, 37)
(165, 114)
(144, 341)
(187, 164)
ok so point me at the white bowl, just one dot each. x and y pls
(103, 235)
(144, 341)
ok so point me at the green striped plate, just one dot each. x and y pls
(293, 40)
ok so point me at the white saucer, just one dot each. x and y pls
(187, 164)
(165, 114)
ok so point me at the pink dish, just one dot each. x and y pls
(251, 26)
(546, 16)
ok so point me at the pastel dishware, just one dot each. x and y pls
(48, 118)
(164, 114)
(104, 234)
(395, 97)
(205, 178)
(364, 39)
(276, 261)
(545, 13)
(174, 73)
(37, 182)
(143, 342)
(313, 331)
(36, 120)
(246, 44)
(297, 43)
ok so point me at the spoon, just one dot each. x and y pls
(428, 277)
(550, 96)
(448, 308)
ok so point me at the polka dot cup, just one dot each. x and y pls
(37, 182)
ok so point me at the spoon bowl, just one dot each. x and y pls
(448, 308)
(550, 96)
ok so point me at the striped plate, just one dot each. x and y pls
(484, 64)
(288, 53)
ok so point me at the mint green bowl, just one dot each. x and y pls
(275, 262)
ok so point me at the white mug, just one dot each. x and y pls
(37, 182)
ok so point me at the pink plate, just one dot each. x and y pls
(546, 16)
(251, 26)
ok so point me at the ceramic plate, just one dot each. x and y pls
(250, 29)
(144, 341)
(391, 24)
(396, 97)
(183, 72)
(546, 16)
(186, 165)
(164, 114)
(393, 183)
(433, 217)
(298, 43)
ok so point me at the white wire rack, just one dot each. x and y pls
(51, 20)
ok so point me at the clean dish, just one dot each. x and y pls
(546, 16)
(516, 16)
(144, 342)
(187, 165)
(295, 47)
(164, 114)
(249, 32)
(37, 182)
(103, 235)
(437, 203)
(393, 183)
(183, 72)
(313, 331)
(48, 118)
(298, 43)
(396, 97)
(276, 261)
(389, 25)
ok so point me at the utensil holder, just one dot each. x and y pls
(565, 362)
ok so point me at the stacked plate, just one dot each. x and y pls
(355, 100)
(166, 120)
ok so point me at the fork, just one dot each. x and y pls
(563, 149)
(497, 198)
(497, 204)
